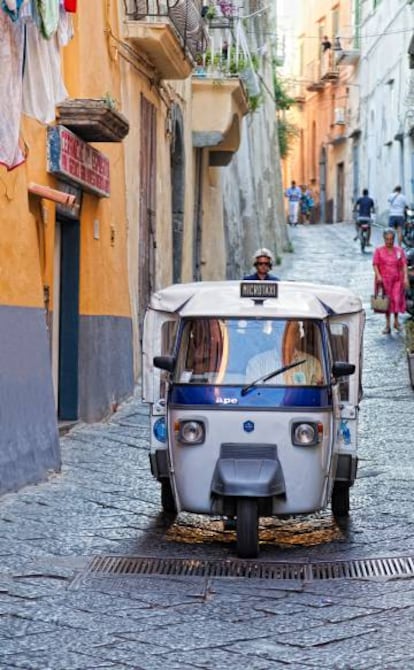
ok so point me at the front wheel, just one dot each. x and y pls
(167, 498)
(340, 499)
(247, 528)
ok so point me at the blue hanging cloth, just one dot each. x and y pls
(12, 8)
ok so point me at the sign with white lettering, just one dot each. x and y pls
(72, 159)
(259, 290)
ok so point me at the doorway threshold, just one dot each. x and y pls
(65, 426)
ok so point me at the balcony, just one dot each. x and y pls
(169, 33)
(218, 109)
(340, 116)
(220, 14)
(93, 119)
(314, 81)
(329, 68)
(346, 52)
(224, 85)
(296, 91)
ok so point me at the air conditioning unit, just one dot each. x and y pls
(339, 116)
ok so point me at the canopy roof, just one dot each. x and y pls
(222, 299)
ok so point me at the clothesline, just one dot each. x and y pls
(32, 33)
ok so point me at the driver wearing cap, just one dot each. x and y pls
(262, 261)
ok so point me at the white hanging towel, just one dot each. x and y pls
(43, 86)
(11, 59)
(65, 30)
(248, 75)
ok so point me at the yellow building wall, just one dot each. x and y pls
(20, 277)
(91, 70)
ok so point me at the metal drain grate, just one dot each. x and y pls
(353, 569)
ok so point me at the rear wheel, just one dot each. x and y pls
(247, 528)
(363, 240)
(340, 499)
(167, 498)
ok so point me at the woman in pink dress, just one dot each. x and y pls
(390, 267)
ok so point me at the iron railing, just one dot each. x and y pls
(228, 55)
(329, 68)
(184, 15)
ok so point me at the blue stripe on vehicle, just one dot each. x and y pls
(230, 397)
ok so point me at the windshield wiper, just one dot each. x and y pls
(248, 388)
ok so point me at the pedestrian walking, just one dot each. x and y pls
(293, 194)
(263, 262)
(306, 204)
(364, 209)
(391, 276)
(398, 204)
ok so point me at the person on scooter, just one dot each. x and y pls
(263, 262)
(364, 208)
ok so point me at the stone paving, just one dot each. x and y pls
(55, 615)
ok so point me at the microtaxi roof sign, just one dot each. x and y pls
(258, 290)
(72, 159)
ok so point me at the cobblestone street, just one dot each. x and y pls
(55, 614)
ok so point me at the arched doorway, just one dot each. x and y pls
(177, 191)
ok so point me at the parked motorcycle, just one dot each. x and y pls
(408, 227)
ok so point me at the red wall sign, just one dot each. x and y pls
(74, 160)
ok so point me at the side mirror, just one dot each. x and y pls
(164, 363)
(342, 369)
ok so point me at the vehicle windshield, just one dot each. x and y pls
(241, 351)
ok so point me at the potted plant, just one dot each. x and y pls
(409, 345)
(210, 12)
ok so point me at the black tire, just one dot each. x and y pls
(408, 239)
(247, 528)
(340, 499)
(167, 498)
(363, 240)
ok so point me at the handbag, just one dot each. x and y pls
(380, 302)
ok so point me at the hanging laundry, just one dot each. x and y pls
(11, 59)
(65, 30)
(12, 8)
(70, 5)
(43, 87)
(49, 16)
(28, 12)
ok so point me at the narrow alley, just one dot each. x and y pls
(57, 614)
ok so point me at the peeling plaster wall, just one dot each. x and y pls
(253, 198)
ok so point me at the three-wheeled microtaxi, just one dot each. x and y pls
(253, 390)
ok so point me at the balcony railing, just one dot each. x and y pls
(184, 15)
(346, 50)
(314, 81)
(296, 91)
(228, 56)
(329, 67)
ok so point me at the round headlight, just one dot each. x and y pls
(160, 430)
(191, 432)
(305, 434)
